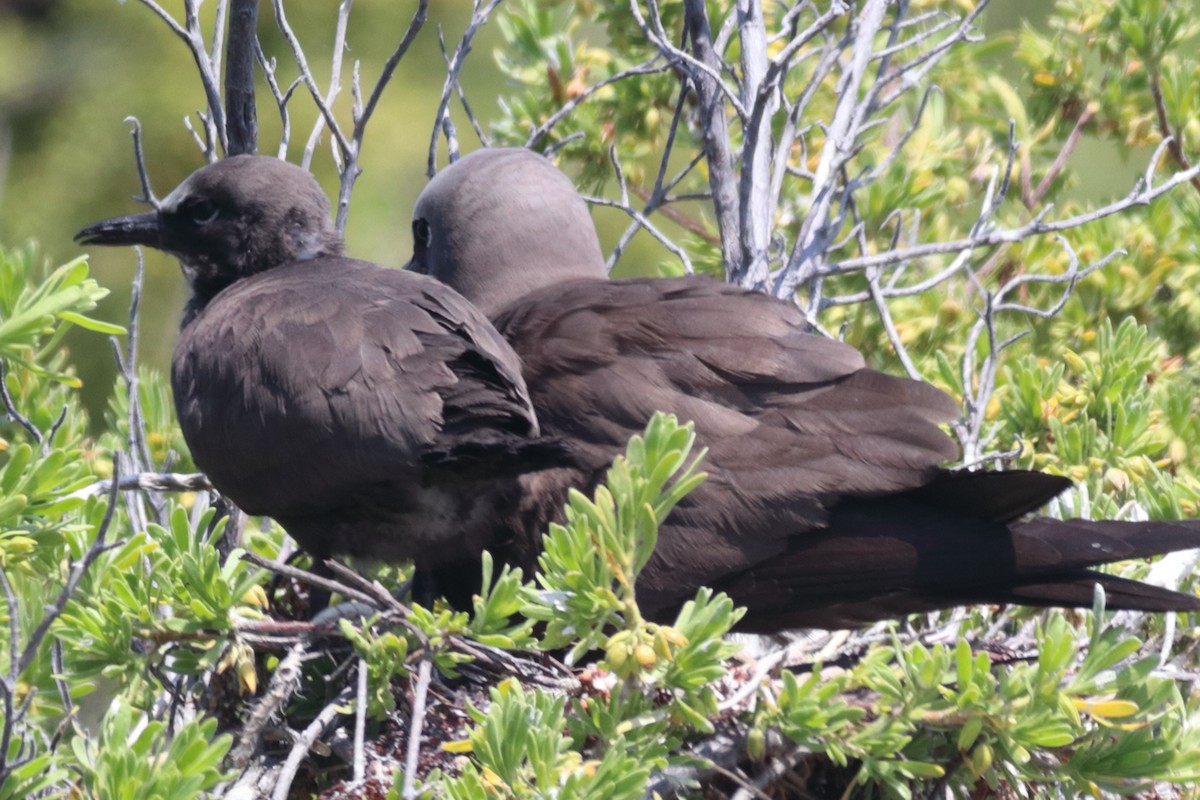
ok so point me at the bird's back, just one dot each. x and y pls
(326, 394)
(793, 422)
(827, 504)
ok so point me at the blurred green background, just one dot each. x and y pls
(71, 71)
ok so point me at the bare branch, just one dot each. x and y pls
(150, 482)
(242, 120)
(8, 682)
(706, 79)
(840, 144)
(360, 722)
(416, 721)
(78, 569)
(707, 61)
(324, 103)
(1139, 196)
(414, 27)
(311, 578)
(912, 73)
(889, 326)
(217, 48)
(11, 409)
(307, 77)
(759, 93)
(1164, 123)
(139, 160)
(306, 740)
(479, 17)
(462, 99)
(285, 683)
(281, 98)
(193, 37)
(642, 221)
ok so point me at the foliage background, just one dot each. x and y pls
(72, 70)
(1104, 392)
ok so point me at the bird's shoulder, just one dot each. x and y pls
(746, 336)
(740, 350)
(345, 354)
(792, 420)
(333, 323)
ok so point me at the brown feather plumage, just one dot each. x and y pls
(827, 503)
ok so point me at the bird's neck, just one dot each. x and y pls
(501, 286)
(208, 277)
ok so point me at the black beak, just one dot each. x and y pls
(134, 229)
(413, 266)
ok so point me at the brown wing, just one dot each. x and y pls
(318, 393)
(793, 421)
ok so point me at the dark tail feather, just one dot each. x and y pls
(1077, 590)
(890, 559)
(1045, 547)
(1053, 556)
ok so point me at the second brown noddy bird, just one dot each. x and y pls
(827, 504)
(371, 411)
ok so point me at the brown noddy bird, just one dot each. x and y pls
(371, 411)
(827, 503)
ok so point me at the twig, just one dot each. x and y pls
(8, 682)
(650, 66)
(193, 37)
(641, 220)
(1139, 196)
(414, 27)
(54, 429)
(382, 596)
(78, 569)
(1164, 124)
(139, 160)
(281, 98)
(309, 578)
(889, 326)
(763, 670)
(217, 48)
(447, 123)
(479, 18)
(451, 134)
(840, 142)
(148, 481)
(325, 102)
(11, 409)
(1033, 198)
(362, 114)
(310, 82)
(139, 449)
(60, 683)
(416, 722)
(305, 741)
(360, 723)
(638, 217)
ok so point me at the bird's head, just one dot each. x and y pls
(501, 222)
(231, 219)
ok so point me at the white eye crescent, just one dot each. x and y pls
(203, 213)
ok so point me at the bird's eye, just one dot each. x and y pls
(421, 233)
(202, 212)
